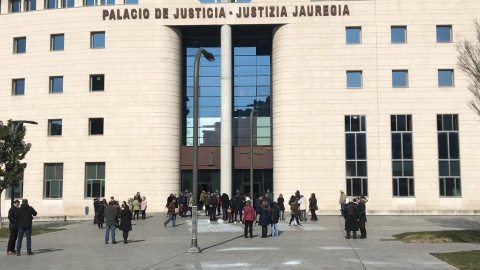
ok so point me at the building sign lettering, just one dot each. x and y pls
(219, 12)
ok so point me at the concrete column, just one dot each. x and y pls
(227, 100)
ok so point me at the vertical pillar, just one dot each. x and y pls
(4, 6)
(226, 111)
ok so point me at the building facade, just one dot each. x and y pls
(359, 96)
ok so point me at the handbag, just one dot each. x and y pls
(243, 220)
(316, 207)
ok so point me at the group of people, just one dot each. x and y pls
(114, 215)
(20, 217)
(355, 217)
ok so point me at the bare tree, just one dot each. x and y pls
(469, 62)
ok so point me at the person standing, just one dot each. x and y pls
(125, 223)
(294, 212)
(206, 198)
(258, 207)
(13, 226)
(111, 216)
(138, 197)
(190, 204)
(143, 207)
(225, 201)
(24, 216)
(212, 206)
(182, 201)
(218, 204)
(171, 213)
(238, 206)
(264, 219)
(273, 215)
(100, 214)
(281, 204)
(303, 208)
(96, 205)
(351, 217)
(136, 208)
(249, 218)
(362, 217)
(342, 201)
(313, 207)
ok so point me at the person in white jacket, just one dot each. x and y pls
(303, 208)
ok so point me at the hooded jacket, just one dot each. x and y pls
(264, 217)
(24, 215)
(224, 200)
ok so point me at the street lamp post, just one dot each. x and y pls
(15, 129)
(253, 112)
(209, 56)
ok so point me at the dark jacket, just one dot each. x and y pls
(238, 202)
(96, 206)
(351, 215)
(110, 214)
(224, 200)
(171, 209)
(257, 205)
(362, 211)
(24, 215)
(11, 216)
(182, 199)
(101, 212)
(273, 215)
(313, 203)
(126, 220)
(269, 201)
(264, 219)
(281, 203)
(294, 210)
(212, 201)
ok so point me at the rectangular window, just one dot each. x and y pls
(95, 126)
(57, 42)
(445, 77)
(399, 78)
(20, 45)
(402, 155)
(56, 84)
(30, 5)
(354, 79)
(17, 192)
(448, 155)
(356, 155)
(444, 33)
(68, 3)
(97, 82)
(131, 2)
(353, 35)
(398, 34)
(94, 179)
(51, 4)
(97, 40)
(53, 176)
(108, 2)
(15, 6)
(55, 127)
(18, 87)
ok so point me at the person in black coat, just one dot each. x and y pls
(362, 218)
(224, 200)
(351, 216)
(238, 206)
(257, 206)
(281, 205)
(24, 215)
(96, 205)
(125, 223)
(13, 226)
(264, 219)
(313, 207)
(100, 214)
(212, 204)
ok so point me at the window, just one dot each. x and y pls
(18, 87)
(95, 126)
(20, 45)
(98, 40)
(402, 155)
(56, 84)
(51, 4)
(354, 79)
(353, 35)
(131, 2)
(444, 33)
(97, 82)
(399, 78)
(55, 127)
(94, 179)
(57, 42)
(445, 77)
(398, 34)
(15, 6)
(17, 192)
(30, 5)
(448, 155)
(356, 155)
(68, 3)
(53, 180)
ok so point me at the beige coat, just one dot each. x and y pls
(303, 203)
(343, 198)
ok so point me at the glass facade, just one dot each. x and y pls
(402, 155)
(448, 155)
(356, 155)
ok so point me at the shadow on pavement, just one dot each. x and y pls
(221, 243)
(135, 241)
(46, 250)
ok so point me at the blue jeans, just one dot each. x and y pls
(172, 218)
(274, 229)
(281, 214)
(107, 233)
(28, 232)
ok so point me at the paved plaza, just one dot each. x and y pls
(316, 245)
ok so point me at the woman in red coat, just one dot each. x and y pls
(249, 217)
